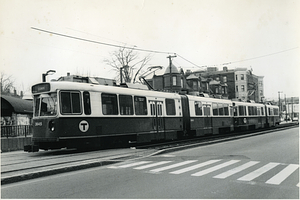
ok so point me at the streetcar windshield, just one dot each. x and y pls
(45, 104)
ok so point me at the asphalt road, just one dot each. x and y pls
(264, 166)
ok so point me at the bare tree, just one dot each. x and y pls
(7, 83)
(128, 61)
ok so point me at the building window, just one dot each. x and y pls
(224, 79)
(181, 82)
(242, 77)
(195, 85)
(174, 80)
(217, 90)
(243, 88)
(237, 88)
(261, 93)
(236, 77)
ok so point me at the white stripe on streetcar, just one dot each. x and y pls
(258, 172)
(194, 167)
(206, 171)
(236, 170)
(281, 176)
(152, 165)
(173, 166)
(130, 164)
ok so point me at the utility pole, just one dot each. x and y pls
(292, 117)
(285, 107)
(170, 64)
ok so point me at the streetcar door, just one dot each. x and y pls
(207, 118)
(157, 119)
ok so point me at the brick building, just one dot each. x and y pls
(237, 84)
(241, 83)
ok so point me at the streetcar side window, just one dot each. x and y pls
(198, 108)
(87, 103)
(262, 111)
(126, 105)
(250, 110)
(221, 109)
(70, 103)
(276, 112)
(215, 109)
(170, 107)
(140, 105)
(226, 109)
(258, 111)
(242, 110)
(36, 106)
(109, 104)
(206, 109)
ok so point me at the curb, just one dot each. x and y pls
(58, 170)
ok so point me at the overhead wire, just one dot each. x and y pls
(156, 51)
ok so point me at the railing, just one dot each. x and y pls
(17, 130)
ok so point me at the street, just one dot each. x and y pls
(260, 167)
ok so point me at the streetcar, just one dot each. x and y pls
(85, 115)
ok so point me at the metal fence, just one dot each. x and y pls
(15, 131)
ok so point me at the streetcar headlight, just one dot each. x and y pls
(52, 126)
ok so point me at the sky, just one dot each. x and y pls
(262, 35)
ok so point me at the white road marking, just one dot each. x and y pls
(173, 166)
(153, 165)
(281, 176)
(236, 170)
(206, 171)
(258, 172)
(130, 165)
(194, 167)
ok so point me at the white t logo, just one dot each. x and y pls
(84, 126)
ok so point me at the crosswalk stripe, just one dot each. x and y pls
(258, 172)
(194, 167)
(206, 171)
(281, 176)
(152, 165)
(173, 166)
(130, 164)
(236, 170)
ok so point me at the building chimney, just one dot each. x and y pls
(225, 69)
(68, 74)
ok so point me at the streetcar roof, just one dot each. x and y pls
(54, 86)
